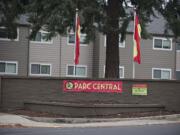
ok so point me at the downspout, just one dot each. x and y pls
(60, 56)
(28, 53)
(1, 94)
(175, 60)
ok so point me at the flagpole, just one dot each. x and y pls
(75, 41)
(133, 43)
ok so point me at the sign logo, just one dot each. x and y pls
(69, 85)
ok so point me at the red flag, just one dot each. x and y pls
(137, 37)
(77, 47)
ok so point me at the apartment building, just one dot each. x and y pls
(14, 54)
(55, 58)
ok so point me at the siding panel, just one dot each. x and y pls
(47, 53)
(150, 58)
(178, 61)
(67, 56)
(17, 51)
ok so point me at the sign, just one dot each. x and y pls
(139, 89)
(92, 86)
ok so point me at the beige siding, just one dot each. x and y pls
(150, 58)
(125, 57)
(102, 53)
(67, 56)
(154, 59)
(17, 51)
(96, 56)
(59, 54)
(48, 54)
(177, 60)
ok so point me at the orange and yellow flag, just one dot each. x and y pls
(77, 47)
(137, 37)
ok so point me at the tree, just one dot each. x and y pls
(9, 12)
(172, 14)
(110, 17)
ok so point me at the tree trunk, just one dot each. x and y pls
(112, 46)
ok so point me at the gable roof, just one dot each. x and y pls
(157, 26)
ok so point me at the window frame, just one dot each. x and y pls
(9, 62)
(162, 69)
(163, 39)
(123, 71)
(121, 44)
(42, 42)
(72, 44)
(8, 39)
(84, 66)
(41, 64)
(121, 77)
(177, 50)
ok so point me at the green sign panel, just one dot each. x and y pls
(139, 89)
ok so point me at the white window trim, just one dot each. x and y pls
(162, 40)
(119, 68)
(42, 42)
(85, 66)
(46, 64)
(72, 44)
(123, 71)
(177, 50)
(10, 62)
(7, 39)
(162, 69)
(121, 44)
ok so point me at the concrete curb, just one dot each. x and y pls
(173, 117)
(10, 119)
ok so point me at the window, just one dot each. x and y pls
(40, 69)
(81, 71)
(178, 75)
(121, 44)
(8, 67)
(178, 46)
(162, 43)
(121, 71)
(158, 73)
(4, 34)
(41, 37)
(71, 39)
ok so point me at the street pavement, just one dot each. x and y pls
(165, 129)
(11, 119)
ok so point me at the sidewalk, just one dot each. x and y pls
(26, 121)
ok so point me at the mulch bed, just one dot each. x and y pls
(12, 126)
(121, 115)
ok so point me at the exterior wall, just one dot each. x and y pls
(102, 56)
(96, 56)
(125, 55)
(67, 56)
(155, 59)
(178, 65)
(16, 91)
(177, 60)
(150, 58)
(17, 50)
(48, 53)
(59, 54)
